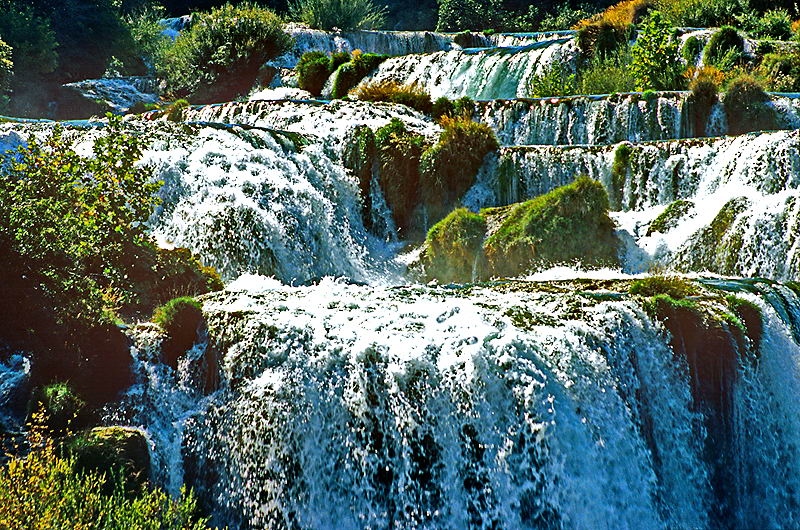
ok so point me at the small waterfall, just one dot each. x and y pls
(497, 406)
(498, 73)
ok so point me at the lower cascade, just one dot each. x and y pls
(560, 404)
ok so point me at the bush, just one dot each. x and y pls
(339, 14)
(775, 24)
(313, 70)
(471, 15)
(442, 107)
(704, 85)
(568, 224)
(352, 72)
(219, 56)
(556, 80)
(6, 72)
(393, 92)
(746, 107)
(448, 168)
(45, 490)
(703, 13)
(655, 62)
(607, 75)
(399, 153)
(691, 49)
(180, 318)
(782, 71)
(724, 46)
(601, 38)
(462, 107)
(565, 16)
(148, 39)
(453, 245)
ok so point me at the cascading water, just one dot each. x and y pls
(513, 406)
(499, 73)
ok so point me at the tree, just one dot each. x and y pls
(461, 15)
(656, 63)
(6, 72)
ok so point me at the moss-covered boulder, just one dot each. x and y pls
(717, 246)
(359, 157)
(569, 224)
(115, 449)
(453, 248)
(62, 407)
(180, 318)
(669, 218)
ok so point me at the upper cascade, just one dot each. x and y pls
(494, 73)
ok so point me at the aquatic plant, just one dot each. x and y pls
(725, 46)
(673, 213)
(313, 69)
(704, 85)
(746, 108)
(180, 319)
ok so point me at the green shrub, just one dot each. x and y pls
(148, 39)
(556, 80)
(176, 110)
(607, 75)
(724, 46)
(691, 49)
(655, 62)
(619, 171)
(673, 286)
(180, 318)
(565, 16)
(470, 15)
(448, 168)
(339, 58)
(61, 406)
(219, 56)
(775, 24)
(704, 95)
(568, 224)
(313, 70)
(601, 38)
(464, 107)
(399, 154)
(670, 216)
(704, 13)
(352, 72)
(6, 72)
(392, 92)
(45, 490)
(782, 70)
(746, 106)
(341, 14)
(442, 107)
(453, 245)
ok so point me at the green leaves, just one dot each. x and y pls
(656, 63)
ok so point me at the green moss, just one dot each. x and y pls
(619, 172)
(176, 111)
(670, 216)
(717, 246)
(750, 318)
(313, 71)
(352, 72)
(661, 306)
(112, 450)
(360, 155)
(674, 287)
(453, 245)
(568, 224)
(180, 318)
(448, 168)
(399, 153)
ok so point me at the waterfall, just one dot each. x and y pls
(502, 406)
(496, 73)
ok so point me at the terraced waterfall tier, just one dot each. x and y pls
(541, 405)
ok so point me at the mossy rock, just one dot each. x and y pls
(568, 224)
(674, 287)
(63, 408)
(110, 450)
(669, 218)
(349, 74)
(180, 318)
(716, 247)
(453, 247)
(360, 157)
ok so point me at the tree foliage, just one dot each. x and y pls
(339, 14)
(656, 62)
